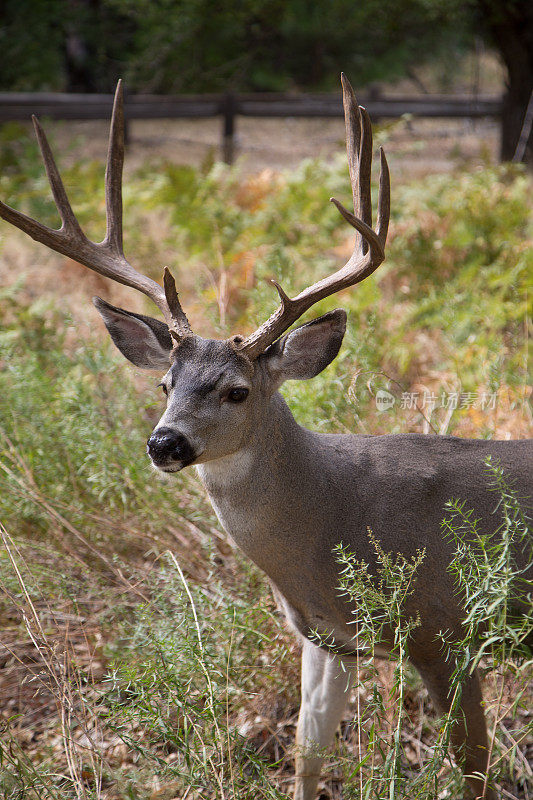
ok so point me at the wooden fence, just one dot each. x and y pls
(20, 106)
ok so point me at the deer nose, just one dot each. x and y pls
(166, 444)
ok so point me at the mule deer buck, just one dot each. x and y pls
(287, 495)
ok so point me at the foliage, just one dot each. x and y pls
(378, 603)
(183, 46)
(489, 576)
(62, 45)
(190, 663)
(31, 42)
(491, 581)
(273, 45)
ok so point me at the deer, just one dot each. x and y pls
(287, 495)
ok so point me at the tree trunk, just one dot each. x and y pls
(515, 124)
(510, 25)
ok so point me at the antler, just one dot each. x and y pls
(106, 257)
(369, 250)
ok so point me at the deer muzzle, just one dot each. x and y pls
(169, 450)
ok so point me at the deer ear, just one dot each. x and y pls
(307, 350)
(144, 341)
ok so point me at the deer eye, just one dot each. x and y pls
(165, 390)
(238, 395)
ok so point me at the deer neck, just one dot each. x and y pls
(255, 490)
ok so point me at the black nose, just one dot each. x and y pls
(166, 444)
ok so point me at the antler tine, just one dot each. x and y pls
(55, 239)
(383, 199)
(352, 124)
(113, 173)
(106, 257)
(54, 179)
(180, 324)
(365, 174)
(37, 231)
(359, 151)
(368, 253)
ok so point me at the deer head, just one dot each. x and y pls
(217, 390)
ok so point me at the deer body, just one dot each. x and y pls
(290, 495)
(287, 495)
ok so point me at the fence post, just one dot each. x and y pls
(375, 94)
(229, 108)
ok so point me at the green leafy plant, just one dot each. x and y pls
(496, 596)
(190, 661)
(378, 601)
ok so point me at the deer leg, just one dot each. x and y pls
(469, 729)
(325, 692)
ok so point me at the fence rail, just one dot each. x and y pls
(20, 106)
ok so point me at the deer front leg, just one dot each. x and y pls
(325, 692)
(469, 730)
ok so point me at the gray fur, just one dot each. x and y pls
(144, 341)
